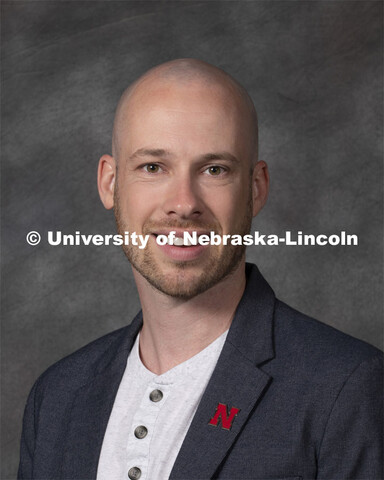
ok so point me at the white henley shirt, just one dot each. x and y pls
(151, 415)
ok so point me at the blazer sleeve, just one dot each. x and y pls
(27, 444)
(352, 444)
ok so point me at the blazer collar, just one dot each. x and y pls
(251, 331)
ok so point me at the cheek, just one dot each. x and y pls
(135, 204)
(228, 207)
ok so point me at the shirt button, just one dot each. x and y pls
(134, 473)
(156, 395)
(141, 431)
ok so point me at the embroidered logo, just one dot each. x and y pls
(222, 414)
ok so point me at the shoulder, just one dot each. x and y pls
(319, 348)
(79, 367)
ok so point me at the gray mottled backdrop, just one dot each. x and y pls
(314, 70)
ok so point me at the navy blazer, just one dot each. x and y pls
(309, 400)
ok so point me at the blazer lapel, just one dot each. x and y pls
(236, 382)
(236, 385)
(91, 410)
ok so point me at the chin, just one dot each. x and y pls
(181, 281)
(186, 280)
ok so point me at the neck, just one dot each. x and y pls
(175, 330)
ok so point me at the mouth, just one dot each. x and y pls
(181, 238)
(180, 247)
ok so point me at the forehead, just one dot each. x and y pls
(193, 112)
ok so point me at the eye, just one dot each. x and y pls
(215, 170)
(151, 168)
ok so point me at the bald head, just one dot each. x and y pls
(185, 73)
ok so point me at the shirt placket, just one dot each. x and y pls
(143, 429)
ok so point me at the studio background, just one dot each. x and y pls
(314, 71)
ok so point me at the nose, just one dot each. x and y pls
(182, 198)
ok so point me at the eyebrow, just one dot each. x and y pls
(150, 152)
(220, 156)
(160, 152)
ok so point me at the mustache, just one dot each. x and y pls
(151, 226)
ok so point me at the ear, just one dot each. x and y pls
(260, 186)
(106, 176)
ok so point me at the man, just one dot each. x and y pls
(215, 378)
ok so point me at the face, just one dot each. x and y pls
(183, 165)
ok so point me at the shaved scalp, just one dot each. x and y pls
(184, 71)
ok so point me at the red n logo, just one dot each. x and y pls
(222, 414)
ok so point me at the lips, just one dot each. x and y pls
(179, 239)
(180, 250)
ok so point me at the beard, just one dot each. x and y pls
(188, 278)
